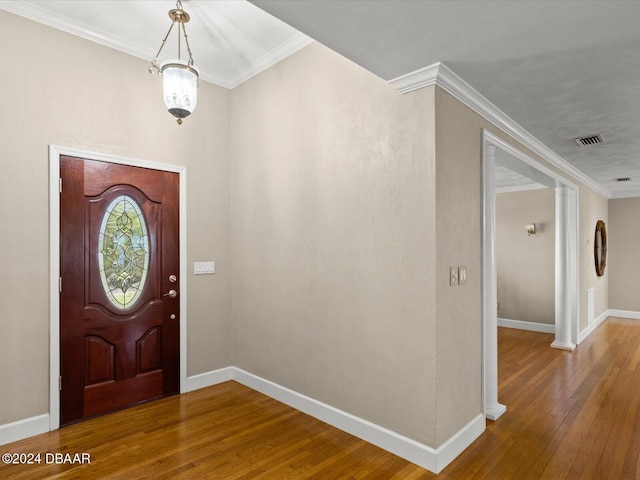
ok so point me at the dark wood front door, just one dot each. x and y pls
(119, 305)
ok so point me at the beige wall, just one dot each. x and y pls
(344, 227)
(459, 227)
(623, 255)
(593, 207)
(459, 210)
(59, 89)
(526, 264)
(333, 238)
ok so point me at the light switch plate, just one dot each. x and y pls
(453, 276)
(204, 268)
(462, 275)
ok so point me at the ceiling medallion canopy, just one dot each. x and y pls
(179, 77)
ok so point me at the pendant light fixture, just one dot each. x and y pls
(179, 77)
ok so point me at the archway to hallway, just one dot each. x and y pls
(566, 264)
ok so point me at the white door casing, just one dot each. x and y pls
(566, 259)
(54, 263)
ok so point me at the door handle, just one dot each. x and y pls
(172, 294)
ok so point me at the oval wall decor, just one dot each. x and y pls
(600, 248)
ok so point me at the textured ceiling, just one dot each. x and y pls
(561, 69)
(508, 180)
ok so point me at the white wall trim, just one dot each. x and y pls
(521, 188)
(269, 59)
(458, 442)
(568, 203)
(39, 14)
(54, 294)
(491, 407)
(439, 74)
(55, 152)
(566, 286)
(623, 314)
(427, 457)
(595, 324)
(433, 459)
(530, 326)
(607, 313)
(208, 379)
(415, 80)
(541, 327)
(28, 427)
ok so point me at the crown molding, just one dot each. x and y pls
(39, 14)
(620, 195)
(419, 79)
(269, 59)
(441, 75)
(42, 15)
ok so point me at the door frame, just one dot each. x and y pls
(55, 151)
(567, 275)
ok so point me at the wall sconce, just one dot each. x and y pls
(531, 229)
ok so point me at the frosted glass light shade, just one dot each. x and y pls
(180, 87)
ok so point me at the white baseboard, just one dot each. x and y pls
(623, 314)
(541, 327)
(427, 457)
(209, 378)
(433, 459)
(569, 346)
(607, 313)
(449, 450)
(531, 326)
(28, 427)
(595, 324)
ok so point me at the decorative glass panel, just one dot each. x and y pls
(123, 252)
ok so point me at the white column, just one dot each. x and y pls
(563, 297)
(492, 409)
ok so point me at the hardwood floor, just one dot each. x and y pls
(570, 415)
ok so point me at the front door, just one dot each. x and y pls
(119, 307)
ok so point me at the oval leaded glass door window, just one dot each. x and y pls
(123, 252)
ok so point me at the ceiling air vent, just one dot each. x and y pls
(623, 179)
(590, 140)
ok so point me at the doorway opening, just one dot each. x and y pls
(497, 152)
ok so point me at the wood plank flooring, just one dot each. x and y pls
(570, 416)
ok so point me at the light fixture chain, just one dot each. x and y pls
(186, 41)
(153, 62)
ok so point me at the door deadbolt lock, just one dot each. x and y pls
(173, 278)
(171, 294)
